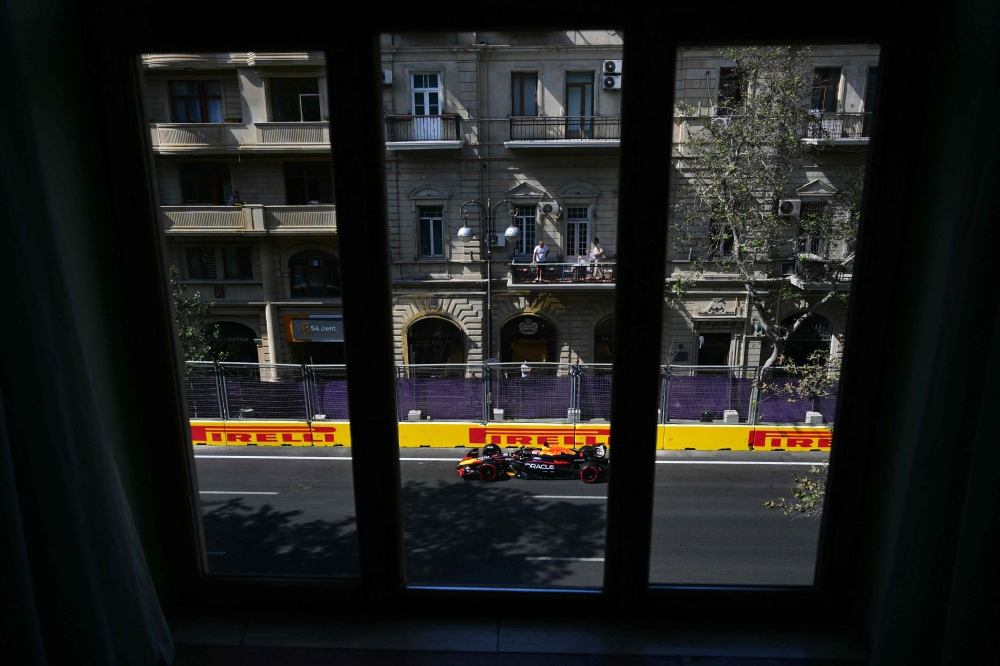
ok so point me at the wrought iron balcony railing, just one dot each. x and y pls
(563, 273)
(445, 127)
(562, 128)
(822, 270)
(833, 126)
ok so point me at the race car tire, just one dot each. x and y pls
(590, 473)
(488, 472)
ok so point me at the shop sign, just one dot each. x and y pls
(324, 330)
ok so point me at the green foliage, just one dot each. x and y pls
(733, 172)
(809, 494)
(201, 340)
(817, 378)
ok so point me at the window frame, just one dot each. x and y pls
(202, 100)
(530, 210)
(216, 182)
(378, 523)
(318, 95)
(424, 214)
(518, 76)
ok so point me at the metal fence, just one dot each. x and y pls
(497, 392)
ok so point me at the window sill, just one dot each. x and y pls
(504, 636)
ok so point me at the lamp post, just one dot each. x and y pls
(489, 238)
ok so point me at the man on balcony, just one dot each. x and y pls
(538, 258)
(596, 254)
(235, 199)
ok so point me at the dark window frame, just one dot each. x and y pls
(430, 215)
(300, 265)
(517, 96)
(273, 97)
(730, 92)
(624, 589)
(826, 89)
(316, 177)
(202, 97)
(199, 178)
(197, 267)
(242, 263)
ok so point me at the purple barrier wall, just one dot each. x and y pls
(778, 409)
(688, 397)
(441, 398)
(330, 398)
(268, 400)
(532, 397)
(595, 397)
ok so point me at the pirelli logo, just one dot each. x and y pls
(528, 436)
(273, 435)
(789, 439)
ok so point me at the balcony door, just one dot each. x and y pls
(577, 234)
(426, 108)
(579, 105)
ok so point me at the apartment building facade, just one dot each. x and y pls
(529, 120)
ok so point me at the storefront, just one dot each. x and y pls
(435, 340)
(315, 339)
(528, 338)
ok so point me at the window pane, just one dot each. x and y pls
(266, 510)
(460, 372)
(310, 108)
(756, 287)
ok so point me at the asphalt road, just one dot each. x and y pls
(291, 512)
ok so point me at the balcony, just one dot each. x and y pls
(423, 132)
(841, 129)
(248, 220)
(236, 138)
(562, 275)
(812, 273)
(564, 132)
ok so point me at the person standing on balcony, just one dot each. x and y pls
(596, 254)
(235, 199)
(538, 258)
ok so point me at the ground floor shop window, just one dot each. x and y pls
(434, 340)
(316, 353)
(240, 340)
(528, 338)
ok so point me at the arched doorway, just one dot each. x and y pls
(435, 340)
(528, 338)
(604, 340)
(814, 334)
(314, 274)
(239, 339)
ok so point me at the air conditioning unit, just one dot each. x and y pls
(612, 81)
(387, 77)
(612, 66)
(550, 208)
(789, 207)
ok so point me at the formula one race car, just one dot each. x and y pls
(588, 463)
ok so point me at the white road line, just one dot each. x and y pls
(736, 462)
(598, 497)
(564, 559)
(232, 492)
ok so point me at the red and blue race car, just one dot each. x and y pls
(588, 463)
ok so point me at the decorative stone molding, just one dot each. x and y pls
(525, 191)
(578, 188)
(717, 308)
(428, 191)
(816, 188)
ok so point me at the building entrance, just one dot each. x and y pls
(528, 338)
(714, 349)
(433, 340)
(240, 341)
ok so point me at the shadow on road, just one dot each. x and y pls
(262, 540)
(474, 533)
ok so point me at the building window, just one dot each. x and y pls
(579, 105)
(431, 232)
(577, 232)
(315, 274)
(721, 241)
(237, 263)
(730, 91)
(713, 348)
(526, 220)
(871, 87)
(295, 100)
(810, 242)
(205, 183)
(524, 100)
(308, 182)
(201, 263)
(604, 340)
(196, 101)
(825, 86)
(426, 95)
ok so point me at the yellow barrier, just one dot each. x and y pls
(437, 434)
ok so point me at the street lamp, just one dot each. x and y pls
(489, 238)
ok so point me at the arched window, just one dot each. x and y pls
(315, 274)
(604, 340)
(239, 340)
(435, 340)
(528, 338)
(814, 334)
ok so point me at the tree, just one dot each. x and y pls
(735, 169)
(808, 492)
(201, 340)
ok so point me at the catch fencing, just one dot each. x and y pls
(498, 392)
